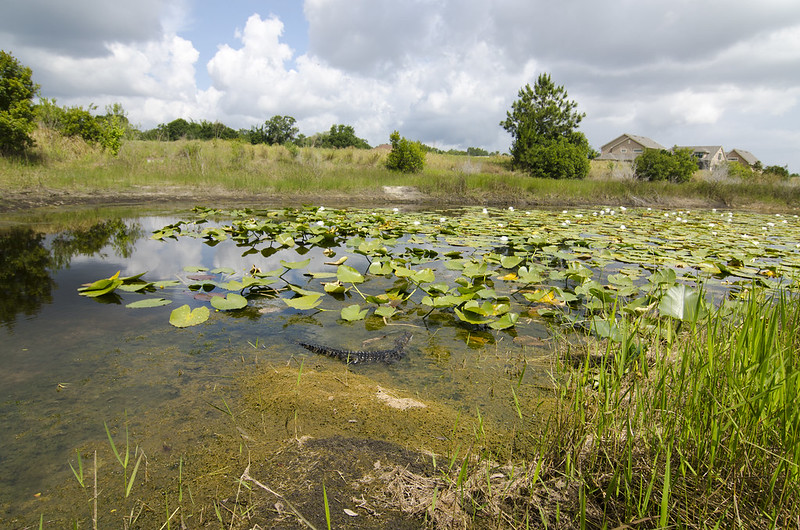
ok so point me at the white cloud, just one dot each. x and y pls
(441, 71)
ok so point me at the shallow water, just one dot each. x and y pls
(71, 363)
(213, 394)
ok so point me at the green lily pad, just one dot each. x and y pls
(353, 312)
(149, 302)
(184, 316)
(348, 274)
(231, 301)
(309, 301)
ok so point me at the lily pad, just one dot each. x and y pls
(149, 302)
(184, 316)
(231, 301)
(353, 312)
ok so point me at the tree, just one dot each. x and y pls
(660, 164)
(543, 122)
(341, 136)
(778, 171)
(405, 156)
(17, 120)
(276, 130)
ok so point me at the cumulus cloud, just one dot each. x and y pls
(441, 71)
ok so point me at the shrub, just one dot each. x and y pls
(406, 156)
(16, 105)
(660, 164)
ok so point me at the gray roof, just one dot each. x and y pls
(747, 156)
(642, 140)
(701, 148)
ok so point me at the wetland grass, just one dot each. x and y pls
(219, 168)
(703, 432)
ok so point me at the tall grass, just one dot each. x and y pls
(702, 432)
(218, 167)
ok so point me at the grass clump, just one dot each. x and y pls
(700, 432)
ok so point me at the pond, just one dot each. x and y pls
(182, 332)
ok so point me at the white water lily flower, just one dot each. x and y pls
(711, 225)
(714, 210)
(612, 212)
(666, 215)
(622, 208)
(770, 224)
(485, 210)
(678, 219)
(501, 225)
(622, 227)
(713, 233)
(395, 210)
(504, 239)
(649, 209)
(416, 223)
(321, 209)
(510, 208)
(579, 216)
(442, 219)
(594, 214)
(320, 223)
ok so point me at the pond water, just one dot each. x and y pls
(71, 363)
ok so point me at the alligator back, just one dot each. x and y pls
(363, 356)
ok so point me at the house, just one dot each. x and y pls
(746, 158)
(707, 156)
(627, 147)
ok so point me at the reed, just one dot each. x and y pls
(702, 431)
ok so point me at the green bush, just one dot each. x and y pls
(406, 156)
(555, 159)
(660, 164)
(17, 120)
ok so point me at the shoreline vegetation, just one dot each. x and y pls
(62, 171)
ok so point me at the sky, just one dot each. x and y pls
(445, 72)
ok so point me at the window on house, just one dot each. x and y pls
(623, 150)
(638, 150)
(733, 158)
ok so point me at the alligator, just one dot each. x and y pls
(364, 356)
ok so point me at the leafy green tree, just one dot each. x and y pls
(17, 119)
(405, 156)
(78, 121)
(177, 129)
(341, 136)
(660, 164)
(778, 171)
(276, 130)
(543, 121)
(477, 151)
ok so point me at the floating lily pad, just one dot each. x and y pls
(231, 301)
(149, 302)
(184, 316)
